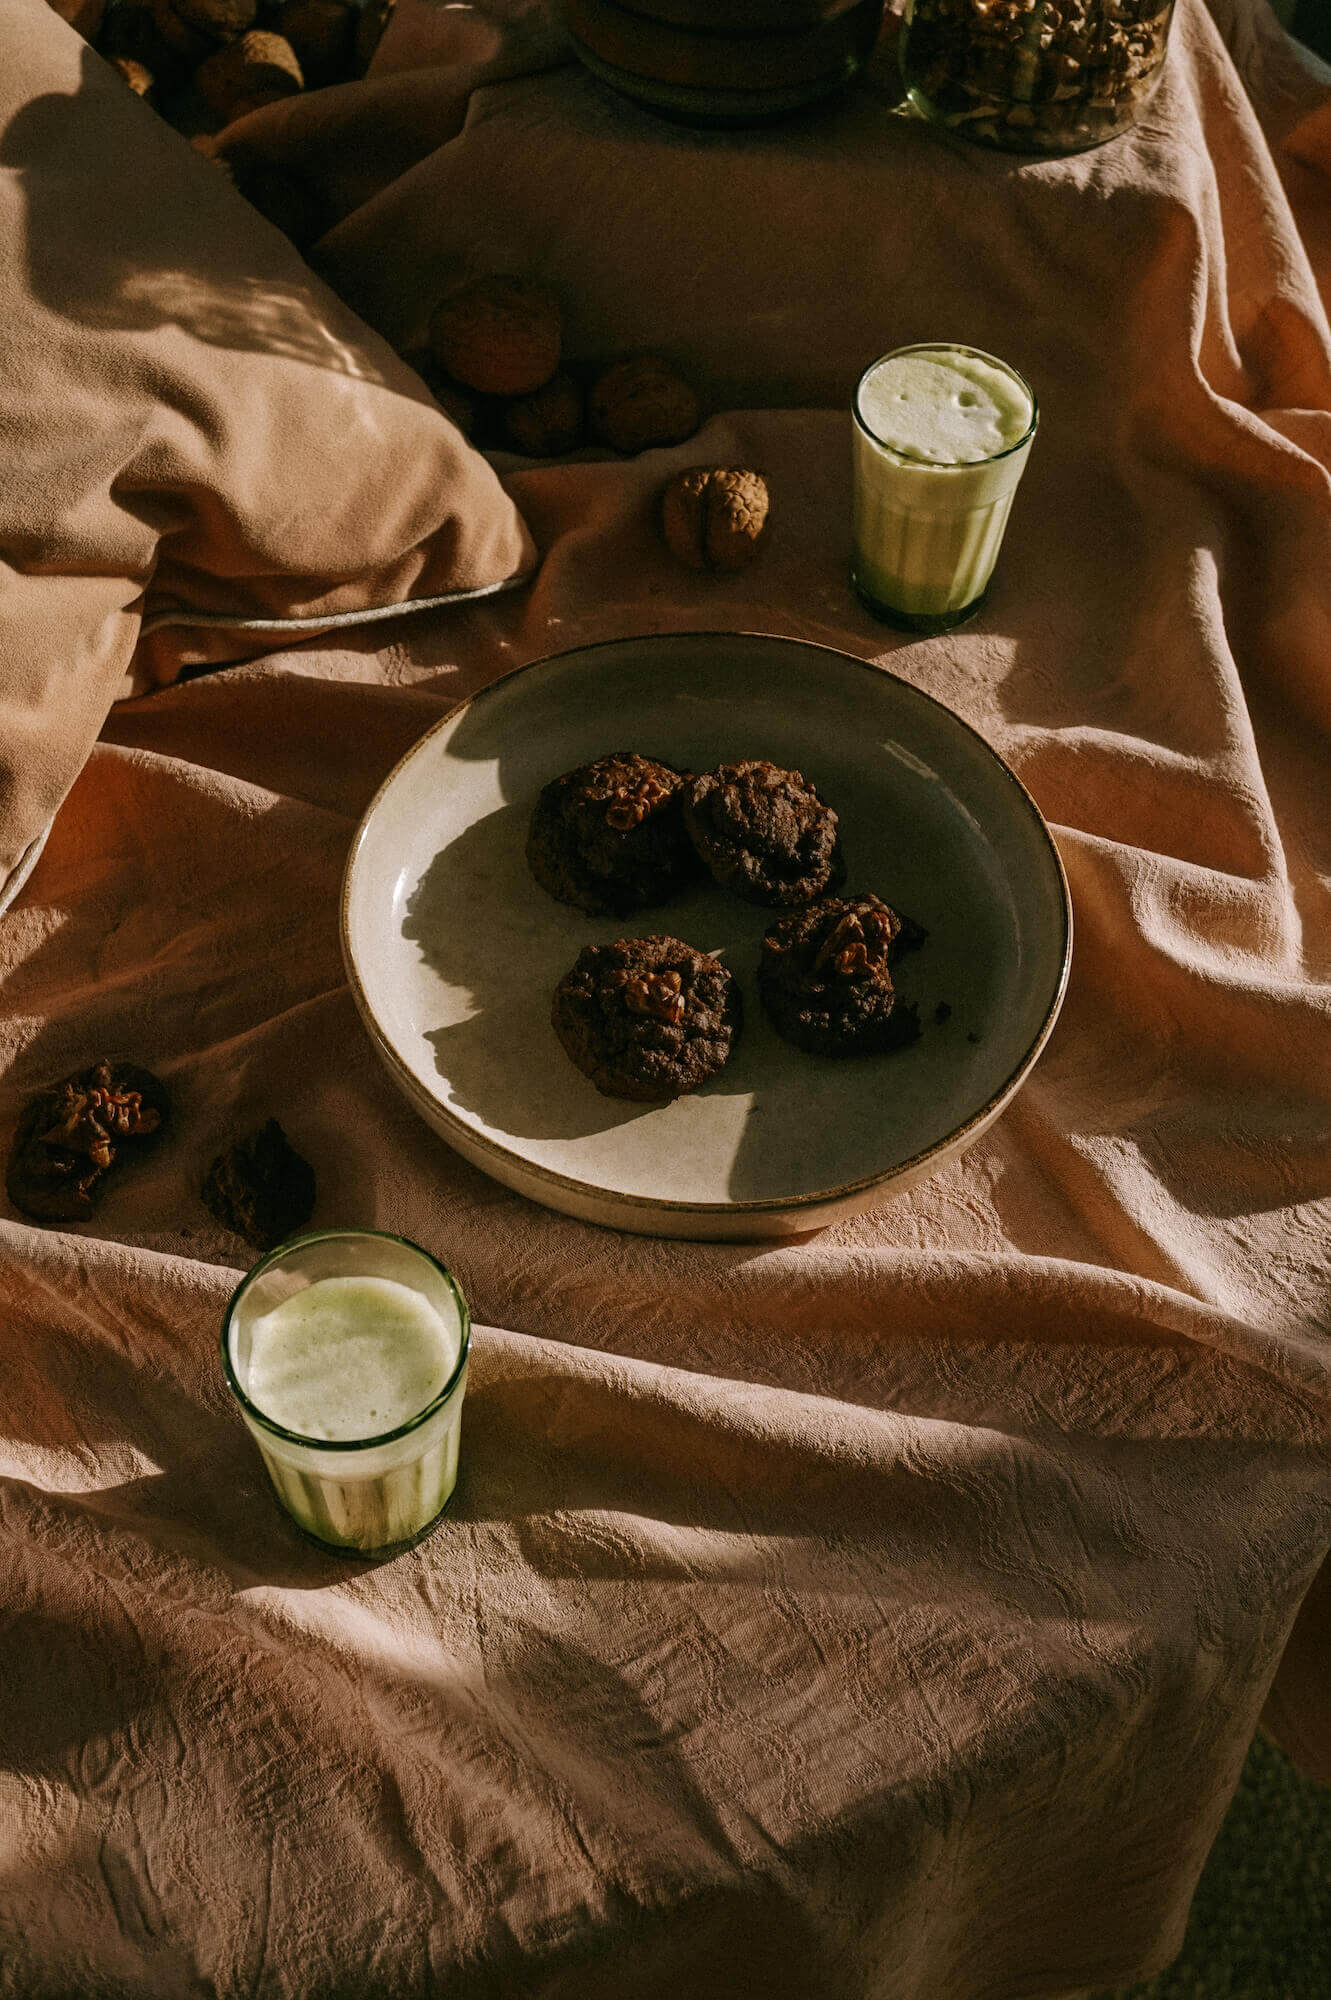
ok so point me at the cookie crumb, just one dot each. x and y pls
(260, 1187)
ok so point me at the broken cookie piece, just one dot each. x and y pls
(260, 1187)
(74, 1134)
(825, 977)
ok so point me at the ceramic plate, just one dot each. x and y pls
(453, 952)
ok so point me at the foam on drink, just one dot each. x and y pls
(942, 406)
(349, 1358)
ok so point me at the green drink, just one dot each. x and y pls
(347, 1353)
(941, 439)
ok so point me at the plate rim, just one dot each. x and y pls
(904, 1170)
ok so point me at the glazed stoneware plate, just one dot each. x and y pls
(453, 952)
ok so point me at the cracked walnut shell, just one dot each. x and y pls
(548, 423)
(713, 517)
(499, 336)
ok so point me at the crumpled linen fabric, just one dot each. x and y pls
(194, 428)
(886, 1613)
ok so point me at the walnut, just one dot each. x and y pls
(498, 335)
(260, 1187)
(253, 71)
(194, 28)
(629, 805)
(713, 517)
(658, 995)
(136, 74)
(86, 1121)
(71, 1135)
(857, 945)
(323, 34)
(547, 423)
(635, 405)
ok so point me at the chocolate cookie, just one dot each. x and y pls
(609, 837)
(824, 976)
(647, 1018)
(764, 833)
(75, 1133)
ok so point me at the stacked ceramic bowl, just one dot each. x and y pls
(724, 62)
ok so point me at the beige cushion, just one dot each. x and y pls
(192, 426)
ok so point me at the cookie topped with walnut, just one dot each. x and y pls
(609, 837)
(764, 833)
(825, 977)
(647, 1018)
(76, 1133)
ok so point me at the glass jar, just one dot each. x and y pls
(1034, 76)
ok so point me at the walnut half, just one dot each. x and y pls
(713, 517)
(629, 806)
(659, 995)
(857, 945)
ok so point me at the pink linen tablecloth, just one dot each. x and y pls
(885, 1614)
